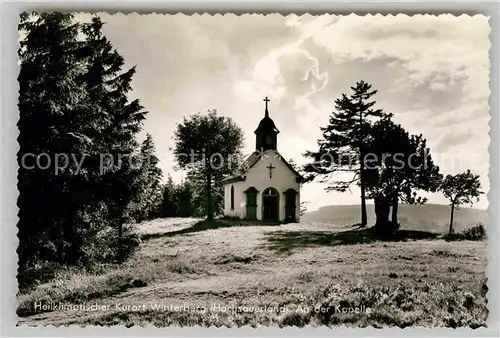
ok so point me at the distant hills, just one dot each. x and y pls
(427, 217)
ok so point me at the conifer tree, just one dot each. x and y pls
(125, 122)
(184, 199)
(108, 87)
(342, 146)
(73, 102)
(168, 203)
(52, 121)
(147, 203)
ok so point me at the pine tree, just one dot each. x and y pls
(184, 199)
(168, 203)
(53, 120)
(343, 143)
(147, 202)
(73, 102)
(109, 87)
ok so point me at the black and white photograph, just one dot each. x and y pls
(253, 170)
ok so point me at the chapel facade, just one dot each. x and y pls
(268, 189)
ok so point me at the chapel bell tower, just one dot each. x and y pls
(266, 133)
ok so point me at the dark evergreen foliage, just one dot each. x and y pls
(183, 199)
(169, 206)
(73, 106)
(50, 95)
(147, 201)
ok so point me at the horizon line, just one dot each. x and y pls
(370, 202)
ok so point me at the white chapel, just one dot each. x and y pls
(269, 187)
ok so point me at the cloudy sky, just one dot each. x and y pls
(431, 72)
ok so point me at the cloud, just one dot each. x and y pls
(431, 72)
(299, 74)
(423, 45)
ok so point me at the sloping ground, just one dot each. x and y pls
(164, 225)
(293, 274)
(427, 217)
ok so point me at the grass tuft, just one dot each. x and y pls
(74, 288)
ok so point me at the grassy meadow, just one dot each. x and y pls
(228, 273)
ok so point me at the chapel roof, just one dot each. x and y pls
(266, 125)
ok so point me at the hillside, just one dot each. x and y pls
(218, 273)
(428, 217)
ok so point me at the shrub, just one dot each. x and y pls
(41, 272)
(476, 233)
(104, 249)
(299, 319)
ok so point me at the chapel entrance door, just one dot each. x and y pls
(251, 203)
(270, 203)
(290, 205)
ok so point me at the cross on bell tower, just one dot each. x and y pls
(266, 133)
(266, 100)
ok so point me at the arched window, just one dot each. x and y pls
(232, 197)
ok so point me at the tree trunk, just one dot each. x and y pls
(394, 216)
(60, 244)
(210, 213)
(70, 235)
(382, 208)
(364, 217)
(451, 218)
(120, 241)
